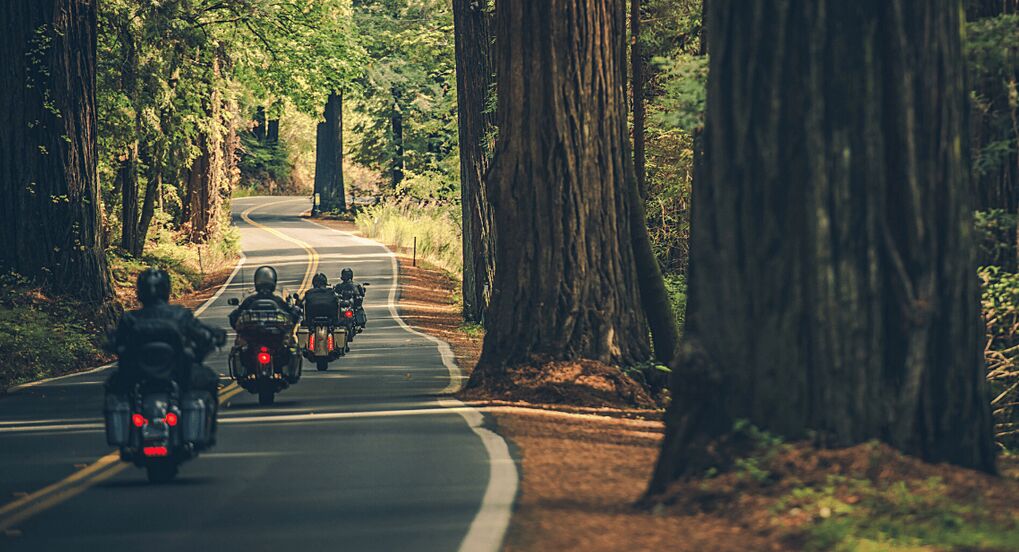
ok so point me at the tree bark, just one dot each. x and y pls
(273, 131)
(260, 124)
(205, 179)
(475, 76)
(561, 187)
(639, 109)
(329, 157)
(49, 208)
(396, 123)
(832, 288)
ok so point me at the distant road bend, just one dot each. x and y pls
(367, 456)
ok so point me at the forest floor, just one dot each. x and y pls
(585, 467)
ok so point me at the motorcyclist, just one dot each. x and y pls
(351, 291)
(265, 288)
(199, 339)
(320, 301)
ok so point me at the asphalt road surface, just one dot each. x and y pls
(367, 456)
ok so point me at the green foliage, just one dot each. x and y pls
(1000, 302)
(41, 336)
(856, 515)
(675, 284)
(437, 229)
(684, 82)
(996, 237)
(264, 165)
(411, 73)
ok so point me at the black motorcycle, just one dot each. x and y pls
(352, 314)
(265, 360)
(156, 426)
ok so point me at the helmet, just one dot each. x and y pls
(347, 275)
(265, 279)
(153, 286)
(320, 280)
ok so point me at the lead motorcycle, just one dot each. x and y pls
(157, 426)
(265, 360)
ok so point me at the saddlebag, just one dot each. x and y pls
(196, 417)
(118, 420)
(302, 338)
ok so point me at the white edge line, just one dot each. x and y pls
(489, 526)
(198, 311)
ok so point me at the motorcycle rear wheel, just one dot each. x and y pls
(161, 471)
(322, 365)
(266, 397)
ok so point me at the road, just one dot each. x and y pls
(367, 456)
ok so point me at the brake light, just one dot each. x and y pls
(329, 342)
(155, 451)
(348, 314)
(263, 356)
(170, 419)
(138, 420)
(311, 342)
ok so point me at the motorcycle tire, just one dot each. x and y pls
(161, 472)
(322, 365)
(266, 397)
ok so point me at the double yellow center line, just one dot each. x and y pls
(14, 513)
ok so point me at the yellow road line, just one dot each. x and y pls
(108, 466)
(313, 257)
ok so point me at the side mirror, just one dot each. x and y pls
(233, 301)
(366, 283)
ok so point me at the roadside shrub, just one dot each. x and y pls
(1000, 303)
(436, 227)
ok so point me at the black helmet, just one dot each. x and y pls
(320, 280)
(347, 275)
(153, 286)
(265, 279)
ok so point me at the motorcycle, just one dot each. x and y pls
(264, 360)
(352, 313)
(156, 426)
(323, 341)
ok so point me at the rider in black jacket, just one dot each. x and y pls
(353, 292)
(199, 339)
(320, 301)
(265, 288)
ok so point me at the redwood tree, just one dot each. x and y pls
(49, 208)
(832, 288)
(475, 76)
(562, 190)
(329, 157)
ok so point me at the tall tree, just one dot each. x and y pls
(396, 128)
(832, 285)
(475, 77)
(206, 180)
(637, 88)
(562, 190)
(329, 157)
(49, 208)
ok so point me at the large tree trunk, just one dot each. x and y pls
(272, 135)
(205, 181)
(637, 72)
(396, 124)
(329, 157)
(475, 76)
(128, 179)
(49, 208)
(832, 285)
(561, 186)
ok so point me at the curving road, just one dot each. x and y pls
(366, 456)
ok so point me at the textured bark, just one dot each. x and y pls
(49, 208)
(561, 187)
(637, 75)
(259, 130)
(329, 157)
(475, 77)
(832, 290)
(206, 176)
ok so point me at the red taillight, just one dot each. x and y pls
(311, 342)
(264, 357)
(138, 420)
(348, 314)
(170, 419)
(329, 342)
(155, 451)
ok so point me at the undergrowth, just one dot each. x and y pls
(436, 227)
